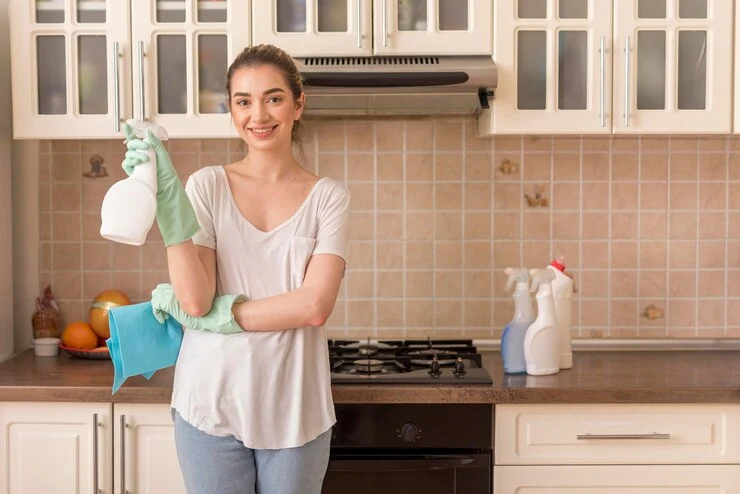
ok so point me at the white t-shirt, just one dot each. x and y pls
(269, 389)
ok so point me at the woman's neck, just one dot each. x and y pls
(270, 166)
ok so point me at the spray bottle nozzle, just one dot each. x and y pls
(140, 127)
(559, 264)
(540, 276)
(520, 275)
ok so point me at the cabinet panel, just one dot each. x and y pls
(629, 479)
(182, 51)
(69, 67)
(673, 63)
(145, 457)
(306, 28)
(55, 447)
(434, 27)
(554, 65)
(601, 434)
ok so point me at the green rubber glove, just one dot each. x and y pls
(175, 215)
(220, 319)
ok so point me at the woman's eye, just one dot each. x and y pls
(242, 102)
(274, 99)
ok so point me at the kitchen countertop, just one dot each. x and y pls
(597, 377)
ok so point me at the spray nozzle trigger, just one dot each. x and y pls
(540, 276)
(140, 127)
(520, 275)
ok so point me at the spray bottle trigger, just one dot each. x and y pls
(535, 273)
(509, 272)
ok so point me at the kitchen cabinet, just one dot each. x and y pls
(81, 67)
(643, 479)
(617, 448)
(64, 448)
(306, 28)
(145, 459)
(671, 62)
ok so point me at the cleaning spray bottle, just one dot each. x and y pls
(541, 349)
(130, 205)
(562, 294)
(512, 340)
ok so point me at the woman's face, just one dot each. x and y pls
(262, 107)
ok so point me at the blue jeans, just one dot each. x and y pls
(223, 465)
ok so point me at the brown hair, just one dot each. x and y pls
(256, 56)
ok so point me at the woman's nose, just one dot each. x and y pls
(259, 112)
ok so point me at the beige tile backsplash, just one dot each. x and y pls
(435, 220)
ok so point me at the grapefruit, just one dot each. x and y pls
(80, 334)
(103, 302)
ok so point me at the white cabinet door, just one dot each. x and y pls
(307, 28)
(554, 66)
(672, 66)
(144, 456)
(626, 479)
(182, 49)
(64, 448)
(70, 64)
(432, 27)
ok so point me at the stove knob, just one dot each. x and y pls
(435, 369)
(459, 367)
(410, 432)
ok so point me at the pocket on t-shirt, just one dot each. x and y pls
(301, 250)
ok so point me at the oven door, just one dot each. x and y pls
(408, 473)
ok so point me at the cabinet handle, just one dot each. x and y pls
(653, 435)
(123, 454)
(116, 90)
(96, 489)
(627, 81)
(359, 23)
(141, 81)
(384, 13)
(602, 96)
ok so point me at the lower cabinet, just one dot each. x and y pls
(60, 448)
(100, 448)
(144, 456)
(618, 479)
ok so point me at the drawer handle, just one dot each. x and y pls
(653, 435)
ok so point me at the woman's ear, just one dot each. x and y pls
(300, 104)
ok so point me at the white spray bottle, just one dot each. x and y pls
(562, 294)
(512, 339)
(541, 349)
(130, 205)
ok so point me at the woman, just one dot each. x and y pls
(252, 401)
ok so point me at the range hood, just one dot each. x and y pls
(413, 85)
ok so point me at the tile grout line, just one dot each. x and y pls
(698, 216)
(639, 238)
(580, 235)
(404, 240)
(726, 291)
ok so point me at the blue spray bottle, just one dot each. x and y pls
(512, 341)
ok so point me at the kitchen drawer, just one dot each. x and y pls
(617, 434)
(618, 479)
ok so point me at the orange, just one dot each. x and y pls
(79, 334)
(105, 301)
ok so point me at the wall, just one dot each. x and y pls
(6, 281)
(435, 221)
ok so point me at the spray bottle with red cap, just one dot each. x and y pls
(562, 294)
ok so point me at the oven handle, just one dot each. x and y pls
(387, 463)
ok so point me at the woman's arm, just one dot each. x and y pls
(309, 305)
(193, 276)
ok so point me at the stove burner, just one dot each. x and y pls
(428, 363)
(367, 349)
(368, 365)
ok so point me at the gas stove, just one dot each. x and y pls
(406, 362)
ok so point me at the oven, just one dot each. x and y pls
(411, 448)
(403, 448)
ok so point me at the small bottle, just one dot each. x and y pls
(512, 340)
(562, 294)
(130, 205)
(541, 348)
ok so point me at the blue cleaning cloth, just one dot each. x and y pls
(139, 344)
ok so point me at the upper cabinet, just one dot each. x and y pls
(82, 67)
(671, 63)
(382, 27)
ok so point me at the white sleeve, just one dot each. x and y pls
(333, 228)
(202, 204)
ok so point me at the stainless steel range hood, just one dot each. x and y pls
(398, 85)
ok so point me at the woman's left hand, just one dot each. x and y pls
(220, 319)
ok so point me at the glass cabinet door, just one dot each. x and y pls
(307, 28)
(182, 50)
(78, 68)
(437, 27)
(673, 58)
(553, 59)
